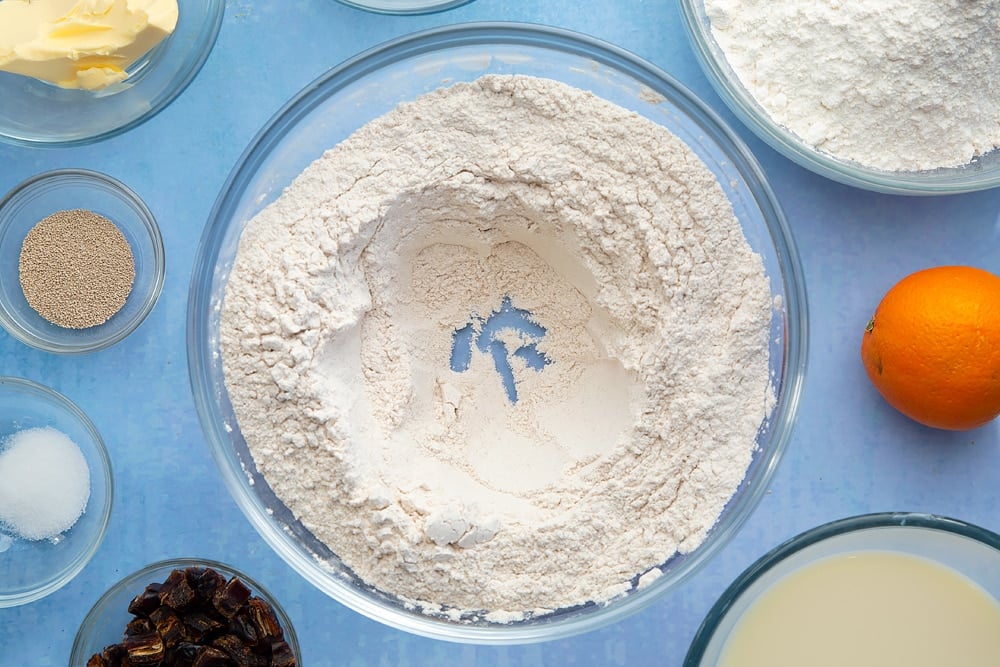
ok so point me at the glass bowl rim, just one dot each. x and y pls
(207, 36)
(137, 577)
(435, 40)
(109, 184)
(418, 7)
(78, 563)
(815, 535)
(743, 105)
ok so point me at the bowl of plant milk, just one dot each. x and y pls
(868, 591)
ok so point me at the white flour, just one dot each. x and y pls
(899, 85)
(429, 483)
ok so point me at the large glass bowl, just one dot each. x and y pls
(982, 173)
(373, 83)
(969, 550)
(37, 113)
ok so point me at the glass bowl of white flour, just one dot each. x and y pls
(496, 333)
(896, 96)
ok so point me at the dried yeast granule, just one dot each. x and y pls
(76, 268)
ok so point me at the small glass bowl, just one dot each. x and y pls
(980, 174)
(969, 550)
(35, 112)
(375, 82)
(53, 191)
(32, 569)
(404, 6)
(104, 624)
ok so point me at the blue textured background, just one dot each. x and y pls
(849, 453)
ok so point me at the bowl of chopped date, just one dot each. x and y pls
(184, 613)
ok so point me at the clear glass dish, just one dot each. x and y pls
(981, 174)
(104, 624)
(373, 83)
(967, 549)
(33, 569)
(405, 6)
(60, 190)
(37, 113)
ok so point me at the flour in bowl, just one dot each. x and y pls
(504, 350)
(898, 85)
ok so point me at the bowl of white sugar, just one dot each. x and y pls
(895, 588)
(55, 491)
(496, 333)
(897, 96)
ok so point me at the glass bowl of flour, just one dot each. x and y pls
(496, 333)
(896, 97)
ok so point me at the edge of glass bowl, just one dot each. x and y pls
(419, 8)
(140, 578)
(13, 327)
(102, 451)
(749, 112)
(208, 35)
(812, 536)
(199, 358)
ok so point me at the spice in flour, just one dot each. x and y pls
(76, 268)
(584, 251)
(898, 85)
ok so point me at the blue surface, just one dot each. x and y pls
(850, 453)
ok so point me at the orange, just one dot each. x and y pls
(932, 348)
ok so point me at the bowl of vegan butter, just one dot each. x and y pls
(868, 591)
(74, 72)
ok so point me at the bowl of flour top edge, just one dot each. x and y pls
(374, 83)
(31, 569)
(981, 173)
(54, 192)
(405, 7)
(38, 113)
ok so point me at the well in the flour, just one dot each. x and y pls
(485, 228)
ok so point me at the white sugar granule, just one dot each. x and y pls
(430, 484)
(899, 85)
(44, 483)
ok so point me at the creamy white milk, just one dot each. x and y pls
(869, 609)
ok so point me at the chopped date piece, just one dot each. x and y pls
(182, 655)
(268, 627)
(239, 652)
(145, 602)
(198, 625)
(168, 625)
(211, 657)
(231, 597)
(138, 626)
(176, 592)
(205, 581)
(144, 649)
(282, 655)
(97, 660)
(243, 627)
(114, 655)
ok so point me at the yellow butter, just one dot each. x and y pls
(81, 43)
